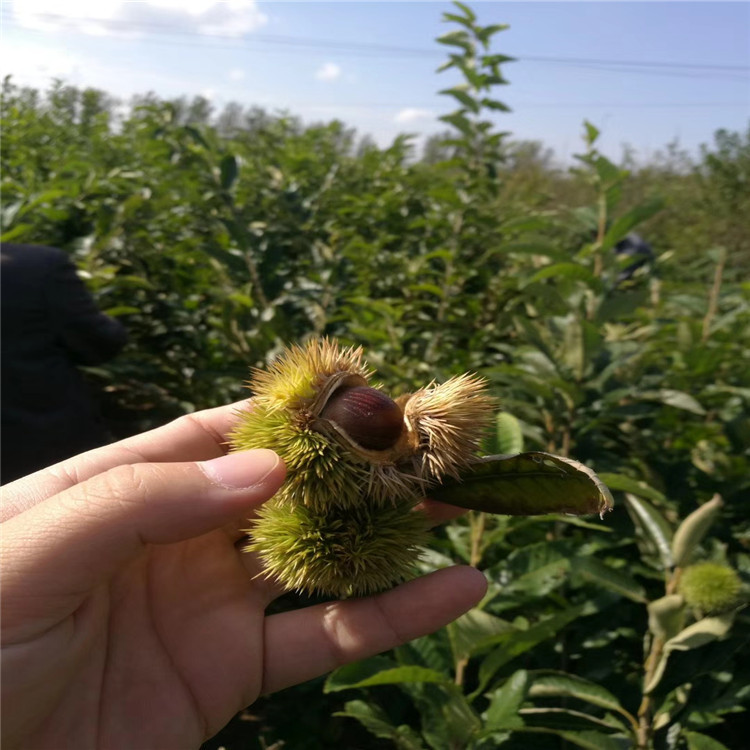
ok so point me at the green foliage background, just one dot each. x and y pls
(219, 239)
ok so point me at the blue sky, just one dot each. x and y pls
(327, 60)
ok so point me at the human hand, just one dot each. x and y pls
(130, 617)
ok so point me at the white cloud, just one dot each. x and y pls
(36, 65)
(412, 114)
(328, 72)
(100, 17)
(236, 74)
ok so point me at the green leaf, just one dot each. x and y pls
(698, 741)
(665, 616)
(230, 260)
(527, 484)
(652, 525)
(497, 59)
(571, 521)
(343, 677)
(672, 397)
(630, 220)
(509, 438)
(565, 271)
(340, 680)
(448, 721)
(567, 719)
(463, 97)
(525, 248)
(592, 132)
(476, 79)
(376, 721)
(459, 121)
(548, 684)
(699, 633)
(19, 230)
(197, 136)
(609, 578)
(633, 486)
(514, 643)
(694, 636)
(118, 310)
(468, 12)
(470, 631)
(229, 171)
(458, 19)
(495, 104)
(590, 740)
(691, 531)
(506, 701)
(456, 39)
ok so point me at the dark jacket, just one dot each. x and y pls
(49, 324)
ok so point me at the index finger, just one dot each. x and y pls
(192, 437)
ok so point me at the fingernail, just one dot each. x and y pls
(240, 470)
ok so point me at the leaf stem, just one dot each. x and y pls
(713, 297)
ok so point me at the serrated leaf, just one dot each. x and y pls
(526, 484)
(506, 701)
(691, 531)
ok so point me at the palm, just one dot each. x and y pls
(112, 642)
(169, 650)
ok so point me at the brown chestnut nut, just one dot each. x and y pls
(369, 417)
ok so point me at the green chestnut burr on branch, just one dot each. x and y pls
(347, 520)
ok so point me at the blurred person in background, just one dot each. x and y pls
(50, 325)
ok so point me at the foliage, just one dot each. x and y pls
(219, 240)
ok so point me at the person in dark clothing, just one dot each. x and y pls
(635, 247)
(50, 324)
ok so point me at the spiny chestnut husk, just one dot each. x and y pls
(357, 464)
(710, 588)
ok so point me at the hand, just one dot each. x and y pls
(132, 620)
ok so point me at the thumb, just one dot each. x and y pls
(54, 553)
